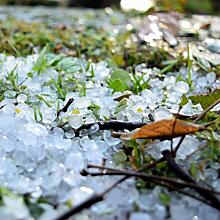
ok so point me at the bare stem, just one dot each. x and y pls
(65, 107)
(207, 110)
(113, 124)
(195, 121)
(162, 181)
(115, 172)
(186, 177)
(95, 198)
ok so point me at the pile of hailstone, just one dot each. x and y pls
(43, 159)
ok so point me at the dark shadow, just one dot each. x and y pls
(94, 4)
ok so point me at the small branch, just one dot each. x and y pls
(206, 110)
(112, 172)
(198, 149)
(89, 202)
(195, 121)
(2, 106)
(182, 192)
(122, 96)
(114, 125)
(150, 165)
(65, 107)
(162, 181)
(145, 167)
(186, 177)
(98, 197)
(150, 116)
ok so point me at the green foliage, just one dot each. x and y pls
(120, 80)
(12, 78)
(184, 101)
(206, 99)
(94, 108)
(189, 67)
(200, 6)
(4, 192)
(164, 198)
(63, 63)
(41, 60)
(169, 65)
(139, 84)
(38, 116)
(119, 158)
(193, 170)
(81, 87)
(102, 45)
(121, 105)
(212, 152)
(59, 87)
(190, 6)
(35, 208)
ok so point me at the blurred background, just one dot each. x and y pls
(185, 6)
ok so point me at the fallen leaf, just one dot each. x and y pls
(164, 129)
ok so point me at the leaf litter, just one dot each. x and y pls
(164, 129)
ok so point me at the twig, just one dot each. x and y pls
(182, 192)
(145, 167)
(174, 124)
(186, 177)
(114, 171)
(114, 125)
(198, 149)
(206, 110)
(196, 120)
(122, 96)
(95, 198)
(2, 106)
(150, 165)
(162, 181)
(150, 116)
(65, 107)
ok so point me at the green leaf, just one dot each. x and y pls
(121, 105)
(118, 86)
(69, 203)
(54, 60)
(193, 170)
(120, 80)
(169, 65)
(206, 99)
(68, 65)
(119, 157)
(164, 198)
(189, 68)
(202, 63)
(41, 60)
(184, 101)
(94, 108)
(121, 74)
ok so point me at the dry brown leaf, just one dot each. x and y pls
(164, 129)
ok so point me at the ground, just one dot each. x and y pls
(74, 83)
